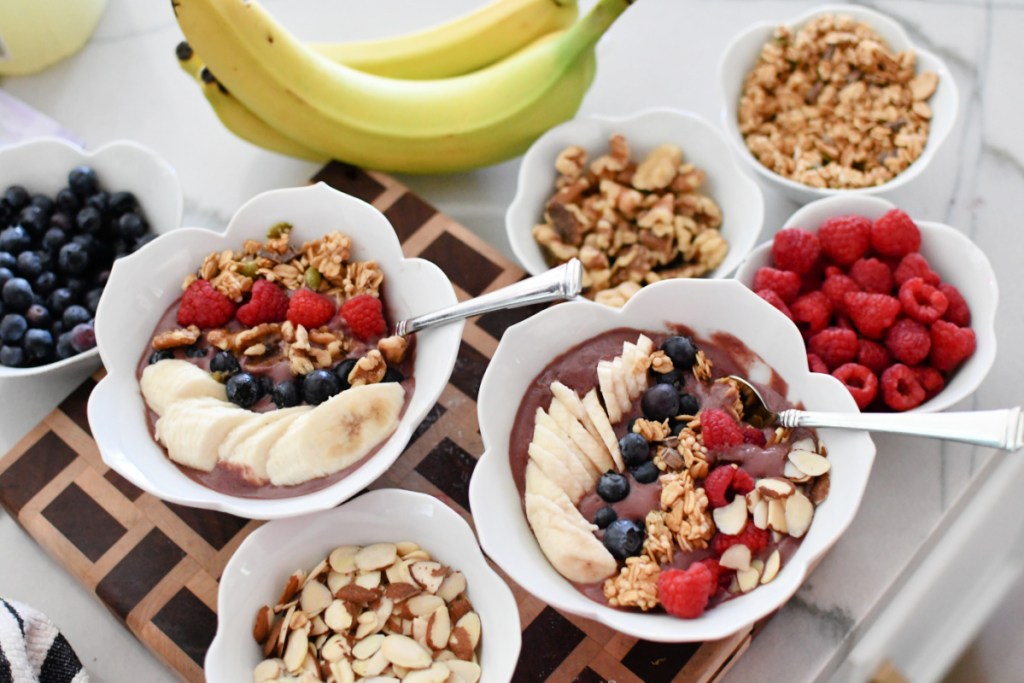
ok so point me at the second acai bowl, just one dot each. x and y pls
(253, 371)
(621, 482)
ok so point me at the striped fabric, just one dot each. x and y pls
(32, 650)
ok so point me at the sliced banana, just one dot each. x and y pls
(581, 440)
(571, 400)
(193, 429)
(573, 551)
(621, 385)
(629, 359)
(555, 445)
(604, 427)
(336, 433)
(557, 472)
(540, 484)
(168, 381)
(248, 446)
(547, 421)
(606, 383)
(545, 506)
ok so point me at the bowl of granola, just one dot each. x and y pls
(638, 199)
(388, 584)
(253, 371)
(836, 100)
(623, 481)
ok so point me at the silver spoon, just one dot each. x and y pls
(994, 428)
(562, 282)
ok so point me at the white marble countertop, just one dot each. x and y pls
(126, 84)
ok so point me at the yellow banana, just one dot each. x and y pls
(436, 125)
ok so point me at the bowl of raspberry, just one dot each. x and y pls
(622, 480)
(253, 371)
(901, 310)
(66, 214)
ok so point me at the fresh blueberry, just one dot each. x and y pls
(224, 362)
(319, 386)
(688, 404)
(38, 345)
(99, 201)
(646, 473)
(392, 375)
(15, 239)
(77, 286)
(18, 294)
(243, 389)
(92, 299)
(7, 260)
(73, 259)
(604, 517)
(60, 299)
(5, 275)
(131, 226)
(54, 239)
(612, 487)
(64, 348)
(624, 538)
(34, 220)
(266, 384)
(89, 220)
(681, 350)
(83, 337)
(16, 196)
(12, 356)
(673, 377)
(30, 265)
(38, 316)
(194, 351)
(75, 315)
(343, 369)
(57, 328)
(43, 202)
(286, 394)
(64, 221)
(156, 356)
(634, 448)
(68, 202)
(677, 428)
(83, 181)
(12, 328)
(660, 402)
(121, 203)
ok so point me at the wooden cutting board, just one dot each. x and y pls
(155, 565)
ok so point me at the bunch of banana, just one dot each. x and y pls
(452, 98)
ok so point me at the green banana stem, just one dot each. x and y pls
(588, 30)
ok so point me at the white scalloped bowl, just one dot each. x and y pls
(706, 306)
(42, 166)
(259, 568)
(146, 283)
(737, 195)
(741, 55)
(952, 255)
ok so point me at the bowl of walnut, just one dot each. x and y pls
(835, 101)
(639, 199)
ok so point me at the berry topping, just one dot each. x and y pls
(816, 364)
(604, 517)
(908, 341)
(364, 316)
(957, 312)
(785, 283)
(930, 378)
(951, 345)
(752, 537)
(309, 309)
(155, 357)
(82, 337)
(646, 473)
(872, 275)
(835, 288)
(268, 304)
(772, 297)
(722, 483)
(844, 239)
(901, 389)
(860, 381)
(243, 389)
(635, 449)
(914, 265)
(320, 385)
(681, 351)
(204, 306)
(224, 363)
(895, 234)
(660, 402)
(688, 405)
(719, 429)
(873, 314)
(612, 487)
(286, 394)
(834, 345)
(795, 249)
(753, 435)
(921, 301)
(813, 310)
(343, 370)
(685, 594)
(874, 356)
(624, 538)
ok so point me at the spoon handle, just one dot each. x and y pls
(995, 428)
(563, 282)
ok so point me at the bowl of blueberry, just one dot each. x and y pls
(66, 214)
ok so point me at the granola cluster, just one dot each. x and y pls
(630, 223)
(832, 106)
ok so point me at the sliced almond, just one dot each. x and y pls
(771, 567)
(418, 555)
(376, 556)
(803, 445)
(461, 644)
(261, 629)
(337, 616)
(471, 623)
(430, 575)
(299, 620)
(358, 594)
(283, 633)
(777, 515)
(372, 666)
(799, 513)
(399, 592)
(446, 656)
(731, 518)
(423, 604)
(809, 463)
(317, 571)
(295, 650)
(367, 624)
(273, 643)
(452, 585)
(318, 626)
(736, 557)
(819, 489)
(405, 651)
(469, 671)
(760, 514)
(335, 580)
(315, 598)
(406, 547)
(335, 648)
(747, 579)
(400, 671)
(291, 587)
(774, 487)
(384, 610)
(753, 498)
(437, 673)
(370, 579)
(342, 672)
(343, 559)
(793, 473)
(268, 670)
(421, 630)
(399, 573)
(368, 646)
(440, 628)
(758, 565)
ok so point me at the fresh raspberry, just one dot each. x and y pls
(309, 309)
(895, 234)
(723, 483)
(844, 239)
(900, 388)
(752, 537)
(860, 381)
(752, 434)
(364, 315)
(204, 306)
(914, 265)
(719, 429)
(835, 288)
(921, 301)
(872, 275)
(873, 314)
(958, 312)
(930, 378)
(816, 364)
(951, 345)
(813, 309)
(785, 283)
(908, 341)
(811, 282)
(685, 594)
(795, 249)
(268, 304)
(772, 297)
(874, 356)
(831, 270)
(835, 346)
(718, 574)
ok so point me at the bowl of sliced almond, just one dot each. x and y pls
(391, 584)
